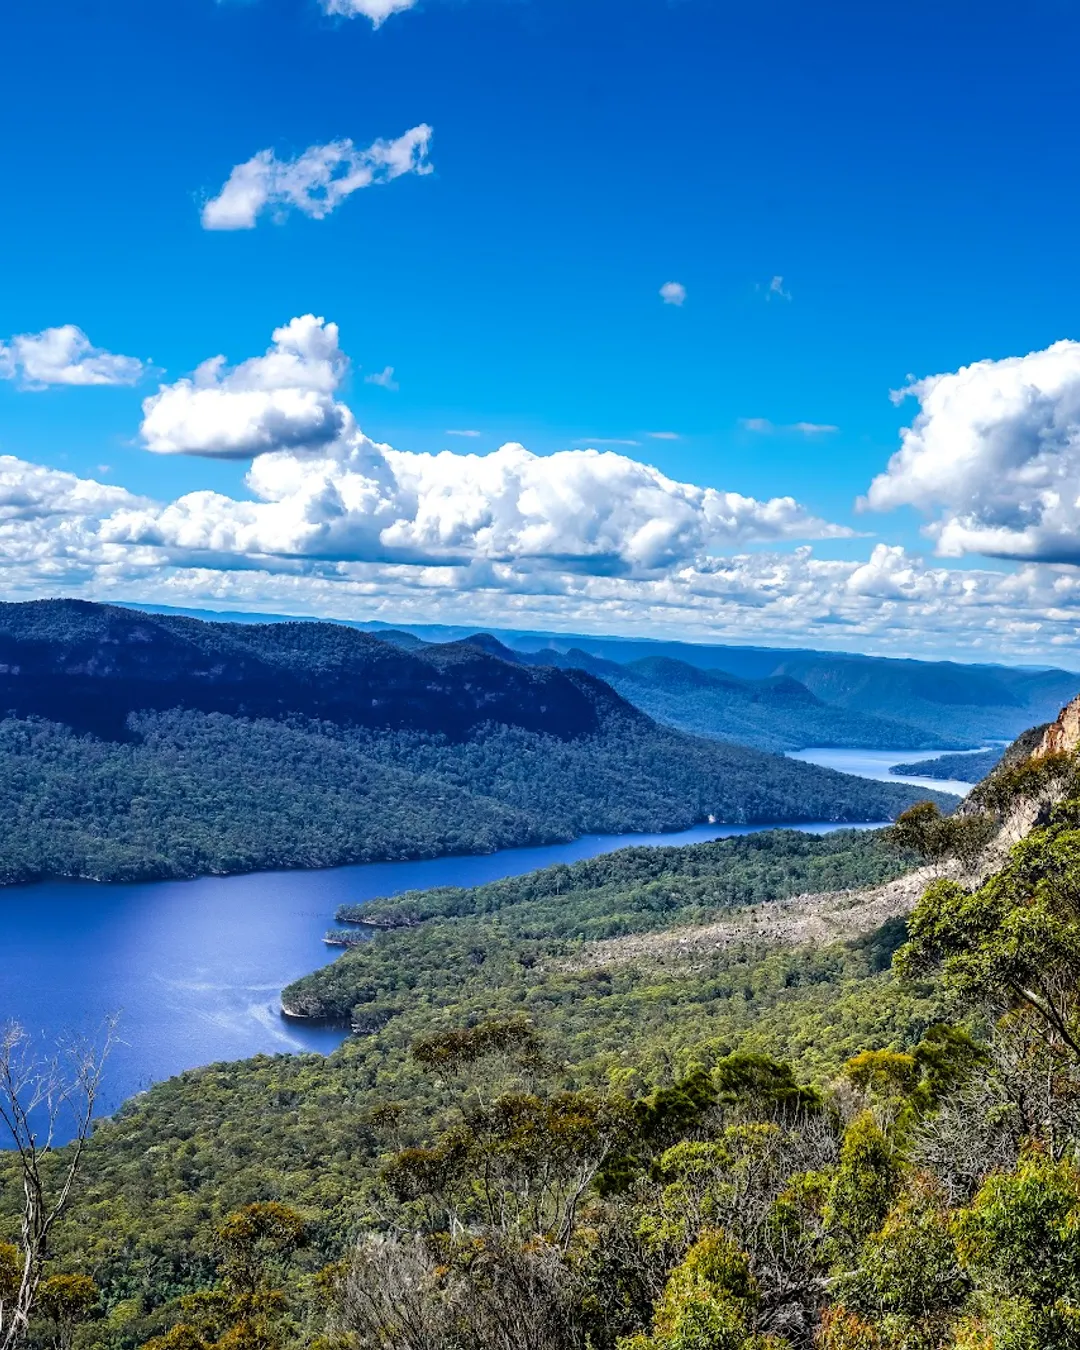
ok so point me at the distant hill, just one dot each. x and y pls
(970, 768)
(135, 745)
(777, 713)
(951, 704)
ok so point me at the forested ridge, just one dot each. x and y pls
(145, 746)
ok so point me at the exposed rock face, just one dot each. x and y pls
(1062, 736)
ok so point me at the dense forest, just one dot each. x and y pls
(546, 1142)
(511, 940)
(140, 746)
(312, 1132)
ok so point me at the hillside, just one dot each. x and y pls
(139, 746)
(961, 705)
(90, 666)
(776, 713)
(312, 1132)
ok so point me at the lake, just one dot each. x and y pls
(195, 968)
(876, 764)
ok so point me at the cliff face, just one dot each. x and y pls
(1063, 735)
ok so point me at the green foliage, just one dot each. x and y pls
(637, 889)
(903, 1086)
(924, 831)
(456, 1049)
(247, 1309)
(186, 792)
(762, 1087)
(64, 1302)
(909, 1272)
(1013, 944)
(11, 1269)
(1021, 1235)
(709, 1302)
(863, 1188)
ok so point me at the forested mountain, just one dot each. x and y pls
(90, 666)
(949, 704)
(638, 1103)
(140, 746)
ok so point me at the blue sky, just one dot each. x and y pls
(908, 171)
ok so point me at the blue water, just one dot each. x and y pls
(878, 763)
(195, 968)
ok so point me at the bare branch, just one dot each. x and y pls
(42, 1092)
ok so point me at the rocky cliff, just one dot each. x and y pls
(1062, 735)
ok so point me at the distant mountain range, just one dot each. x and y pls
(136, 745)
(941, 704)
(775, 713)
(788, 698)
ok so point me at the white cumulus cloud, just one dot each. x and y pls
(375, 10)
(673, 293)
(580, 541)
(578, 509)
(498, 540)
(993, 456)
(31, 492)
(324, 489)
(64, 355)
(315, 182)
(284, 399)
(333, 523)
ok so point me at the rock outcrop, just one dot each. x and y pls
(1063, 735)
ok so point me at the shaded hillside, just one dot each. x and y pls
(91, 665)
(143, 746)
(961, 704)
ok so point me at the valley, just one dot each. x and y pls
(725, 974)
(197, 967)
